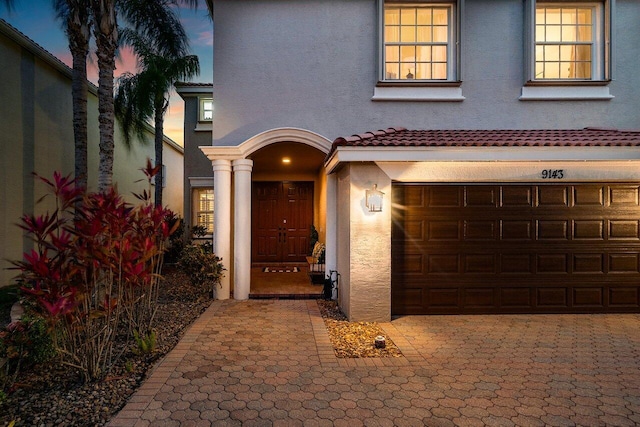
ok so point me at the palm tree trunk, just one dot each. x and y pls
(106, 33)
(159, 142)
(78, 33)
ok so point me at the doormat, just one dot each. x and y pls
(280, 270)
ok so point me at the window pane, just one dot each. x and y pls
(407, 34)
(423, 54)
(585, 33)
(440, 16)
(553, 16)
(424, 16)
(439, 53)
(553, 33)
(408, 16)
(392, 34)
(540, 37)
(408, 53)
(424, 34)
(568, 16)
(392, 53)
(392, 16)
(423, 71)
(552, 53)
(540, 13)
(440, 34)
(392, 71)
(568, 33)
(407, 71)
(439, 71)
(567, 52)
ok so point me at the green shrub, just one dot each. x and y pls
(24, 343)
(201, 265)
(146, 344)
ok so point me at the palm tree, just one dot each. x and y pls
(77, 25)
(149, 18)
(143, 97)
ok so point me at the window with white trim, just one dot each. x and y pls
(419, 42)
(570, 42)
(206, 109)
(203, 208)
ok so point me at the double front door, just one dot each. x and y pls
(282, 217)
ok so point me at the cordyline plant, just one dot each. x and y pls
(94, 272)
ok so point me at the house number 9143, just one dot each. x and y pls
(552, 174)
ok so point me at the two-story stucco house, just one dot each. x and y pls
(464, 156)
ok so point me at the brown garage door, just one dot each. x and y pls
(515, 248)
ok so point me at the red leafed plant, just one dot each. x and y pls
(94, 271)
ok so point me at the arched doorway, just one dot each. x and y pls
(236, 168)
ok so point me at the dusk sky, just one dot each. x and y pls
(36, 19)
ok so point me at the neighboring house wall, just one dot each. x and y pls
(197, 168)
(36, 135)
(312, 65)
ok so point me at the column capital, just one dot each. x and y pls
(221, 165)
(242, 165)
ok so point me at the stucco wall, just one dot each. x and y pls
(366, 271)
(312, 65)
(36, 135)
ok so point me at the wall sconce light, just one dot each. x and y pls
(373, 199)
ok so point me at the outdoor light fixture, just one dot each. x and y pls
(373, 199)
(286, 160)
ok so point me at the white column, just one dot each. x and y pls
(242, 228)
(222, 222)
(331, 253)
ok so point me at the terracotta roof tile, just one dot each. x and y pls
(401, 137)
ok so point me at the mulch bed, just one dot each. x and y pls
(354, 339)
(54, 396)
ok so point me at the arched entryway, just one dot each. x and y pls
(292, 160)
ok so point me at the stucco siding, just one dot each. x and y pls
(312, 64)
(36, 135)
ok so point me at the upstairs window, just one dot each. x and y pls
(570, 42)
(419, 42)
(206, 109)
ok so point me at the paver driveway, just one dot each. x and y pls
(270, 363)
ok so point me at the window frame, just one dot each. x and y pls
(195, 198)
(453, 44)
(202, 110)
(601, 70)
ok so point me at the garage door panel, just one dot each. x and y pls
(516, 248)
(588, 297)
(511, 298)
(623, 196)
(621, 229)
(588, 264)
(552, 297)
(516, 196)
(588, 230)
(552, 264)
(516, 230)
(481, 196)
(552, 230)
(588, 196)
(443, 230)
(554, 196)
(621, 263)
(481, 263)
(445, 196)
(624, 297)
(479, 230)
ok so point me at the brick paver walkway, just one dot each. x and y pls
(267, 363)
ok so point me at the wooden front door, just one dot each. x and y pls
(281, 220)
